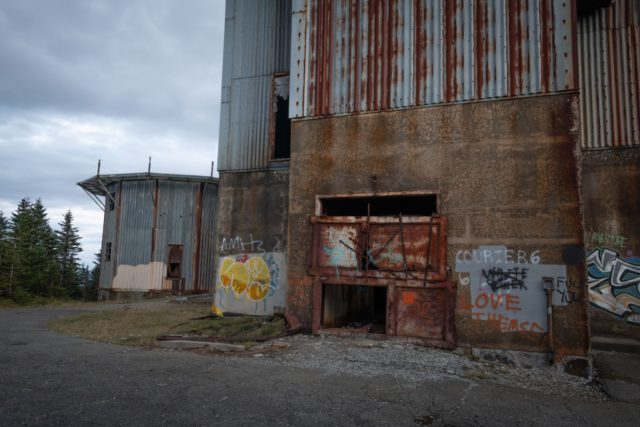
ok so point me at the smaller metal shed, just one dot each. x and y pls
(158, 233)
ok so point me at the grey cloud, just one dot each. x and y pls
(148, 59)
(144, 73)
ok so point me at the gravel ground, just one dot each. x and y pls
(413, 364)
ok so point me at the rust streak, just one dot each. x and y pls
(481, 40)
(544, 46)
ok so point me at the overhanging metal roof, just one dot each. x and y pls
(98, 185)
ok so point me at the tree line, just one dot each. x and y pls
(38, 262)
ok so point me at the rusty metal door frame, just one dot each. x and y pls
(415, 262)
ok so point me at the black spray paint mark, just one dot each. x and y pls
(511, 278)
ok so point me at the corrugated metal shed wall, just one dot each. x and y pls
(610, 75)
(108, 236)
(368, 55)
(175, 224)
(136, 223)
(257, 45)
(207, 275)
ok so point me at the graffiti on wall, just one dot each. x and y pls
(506, 287)
(249, 276)
(601, 239)
(250, 279)
(614, 283)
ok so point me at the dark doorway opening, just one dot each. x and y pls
(282, 140)
(355, 307)
(408, 205)
(281, 124)
(174, 264)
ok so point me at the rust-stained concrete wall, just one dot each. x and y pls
(252, 241)
(611, 194)
(506, 176)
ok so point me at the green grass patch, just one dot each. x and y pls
(233, 329)
(141, 326)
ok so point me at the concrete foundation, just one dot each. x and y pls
(611, 180)
(507, 178)
(252, 240)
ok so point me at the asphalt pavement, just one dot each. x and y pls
(51, 379)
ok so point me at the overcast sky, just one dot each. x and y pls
(117, 80)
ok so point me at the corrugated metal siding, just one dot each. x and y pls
(108, 235)
(136, 223)
(207, 275)
(176, 225)
(372, 55)
(257, 45)
(610, 76)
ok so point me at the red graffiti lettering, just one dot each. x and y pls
(513, 303)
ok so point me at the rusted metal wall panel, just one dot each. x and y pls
(371, 55)
(380, 247)
(257, 45)
(140, 242)
(421, 312)
(610, 75)
(299, 60)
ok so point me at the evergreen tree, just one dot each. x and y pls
(33, 263)
(67, 250)
(94, 278)
(5, 255)
(43, 254)
(20, 227)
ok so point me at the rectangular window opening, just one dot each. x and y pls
(174, 264)
(281, 124)
(355, 307)
(392, 205)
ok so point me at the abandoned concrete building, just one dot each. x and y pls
(158, 233)
(460, 173)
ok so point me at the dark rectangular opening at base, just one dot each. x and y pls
(418, 205)
(354, 307)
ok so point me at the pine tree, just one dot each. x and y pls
(20, 227)
(94, 278)
(5, 255)
(67, 250)
(33, 263)
(43, 254)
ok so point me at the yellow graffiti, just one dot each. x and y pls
(250, 278)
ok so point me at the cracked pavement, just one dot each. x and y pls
(51, 379)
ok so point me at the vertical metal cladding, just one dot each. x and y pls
(261, 30)
(108, 236)
(136, 223)
(153, 213)
(610, 75)
(368, 55)
(207, 268)
(176, 224)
